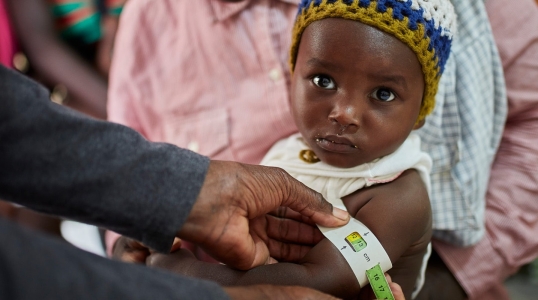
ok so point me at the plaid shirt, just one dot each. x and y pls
(463, 132)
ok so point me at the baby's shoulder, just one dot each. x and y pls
(407, 193)
(399, 209)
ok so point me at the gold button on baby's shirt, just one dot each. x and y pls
(274, 74)
(193, 146)
(308, 156)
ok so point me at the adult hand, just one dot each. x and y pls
(223, 219)
(276, 292)
(287, 234)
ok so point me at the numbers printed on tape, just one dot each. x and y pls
(379, 283)
(359, 246)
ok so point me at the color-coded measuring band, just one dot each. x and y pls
(359, 246)
(379, 283)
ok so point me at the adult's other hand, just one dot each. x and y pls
(233, 196)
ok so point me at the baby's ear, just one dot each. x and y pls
(419, 124)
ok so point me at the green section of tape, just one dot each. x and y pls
(379, 283)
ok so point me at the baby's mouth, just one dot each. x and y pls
(336, 144)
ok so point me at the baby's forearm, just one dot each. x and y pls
(308, 275)
(280, 273)
(183, 262)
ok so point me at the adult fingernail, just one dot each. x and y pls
(271, 261)
(340, 214)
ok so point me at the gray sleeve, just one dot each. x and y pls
(37, 267)
(57, 161)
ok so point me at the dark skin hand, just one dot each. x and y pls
(234, 199)
(404, 233)
(53, 60)
(287, 234)
(228, 219)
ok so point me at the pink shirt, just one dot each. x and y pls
(512, 208)
(7, 40)
(229, 103)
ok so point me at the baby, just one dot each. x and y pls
(364, 76)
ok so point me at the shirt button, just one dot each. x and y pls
(274, 74)
(193, 146)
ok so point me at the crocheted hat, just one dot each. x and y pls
(425, 26)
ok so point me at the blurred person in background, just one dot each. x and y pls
(67, 46)
(7, 38)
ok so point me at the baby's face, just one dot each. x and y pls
(356, 91)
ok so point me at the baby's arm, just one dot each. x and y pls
(398, 213)
(322, 268)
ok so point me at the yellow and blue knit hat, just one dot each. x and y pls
(425, 26)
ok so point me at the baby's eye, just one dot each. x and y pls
(383, 94)
(324, 82)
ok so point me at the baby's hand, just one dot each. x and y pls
(132, 251)
(129, 250)
(180, 261)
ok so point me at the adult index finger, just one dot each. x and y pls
(311, 204)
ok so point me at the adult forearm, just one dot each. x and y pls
(36, 267)
(57, 161)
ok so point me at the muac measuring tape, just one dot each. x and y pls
(379, 283)
(363, 252)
